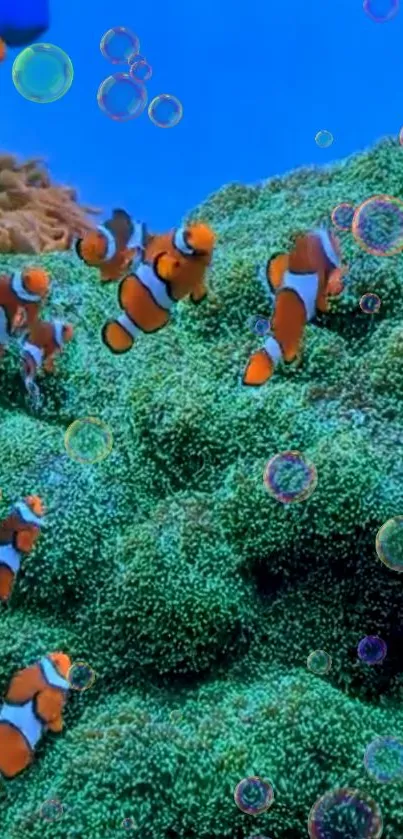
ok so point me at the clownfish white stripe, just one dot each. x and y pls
(52, 676)
(110, 242)
(180, 242)
(35, 352)
(138, 237)
(10, 557)
(129, 326)
(148, 278)
(58, 332)
(273, 349)
(327, 246)
(17, 286)
(24, 719)
(22, 509)
(306, 286)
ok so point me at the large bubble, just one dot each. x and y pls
(383, 759)
(324, 139)
(42, 73)
(319, 662)
(88, 440)
(289, 477)
(372, 650)
(165, 111)
(345, 813)
(378, 225)
(253, 795)
(119, 44)
(121, 98)
(389, 543)
(381, 10)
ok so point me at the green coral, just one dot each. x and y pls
(195, 596)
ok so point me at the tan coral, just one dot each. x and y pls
(35, 215)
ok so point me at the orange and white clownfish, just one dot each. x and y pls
(300, 283)
(113, 246)
(45, 340)
(18, 535)
(175, 267)
(21, 296)
(33, 704)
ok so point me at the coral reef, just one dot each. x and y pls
(167, 566)
(35, 215)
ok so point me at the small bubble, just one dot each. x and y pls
(253, 795)
(389, 543)
(370, 303)
(165, 111)
(289, 477)
(381, 11)
(324, 139)
(372, 650)
(319, 662)
(88, 440)
(81, 676)
(377, 225)
(122, 98)
(119, 44)
(140, 70)
(342, 216)
(51, 810)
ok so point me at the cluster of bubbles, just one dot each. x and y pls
(290, 477)
(389, 543)
(123, 95)
(254, 795)
(88, 440)
(381, 11)
(319, 662)
(345, 813)
(81, 676)
(383, 759)
(372, 650)
(42, 73)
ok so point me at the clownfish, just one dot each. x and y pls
(21, 296)
(113, 245)
(33, 704)
(175, 266)
(18, 535)
(300, 284)
(3, 50)
(45, 340)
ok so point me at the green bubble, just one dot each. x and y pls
(88, 440)
(389, 543)
(42, 73)
(319, 662)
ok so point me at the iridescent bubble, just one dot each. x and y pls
(342, 216)
(370, 303)
(389, 543)
(140, 69)
(42, 73)
(254, 795)
(378, 225)
(165, 111)
(88, 440)
(319, 662)
(122, 98)
(52, 810)
(259, 325)
(81, 676)
(129, 823)
(345, 813)
(289, 477)
(119, 44)
(381, 10)
(372, 650)
(401, 136)
(383, 759)
(324, 139)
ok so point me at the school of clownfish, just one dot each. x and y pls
(155, 272)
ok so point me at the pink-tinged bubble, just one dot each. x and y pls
(401, 136)
(378, 225)
(345, 813)
(121, 98)
(381, 11)
(253, 795)
(370, 303)
(165, 111)
(289, 477)
(140, 69)
(372, 649)
(383, 759)
(342, 216)
(118, 44)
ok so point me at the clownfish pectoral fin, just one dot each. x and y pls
(118, 335)
(275, 270)
(199, 293)
(259, 369)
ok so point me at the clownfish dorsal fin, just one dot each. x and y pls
(275, 270)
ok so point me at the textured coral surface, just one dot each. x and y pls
(195, 595)
(35, 215)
